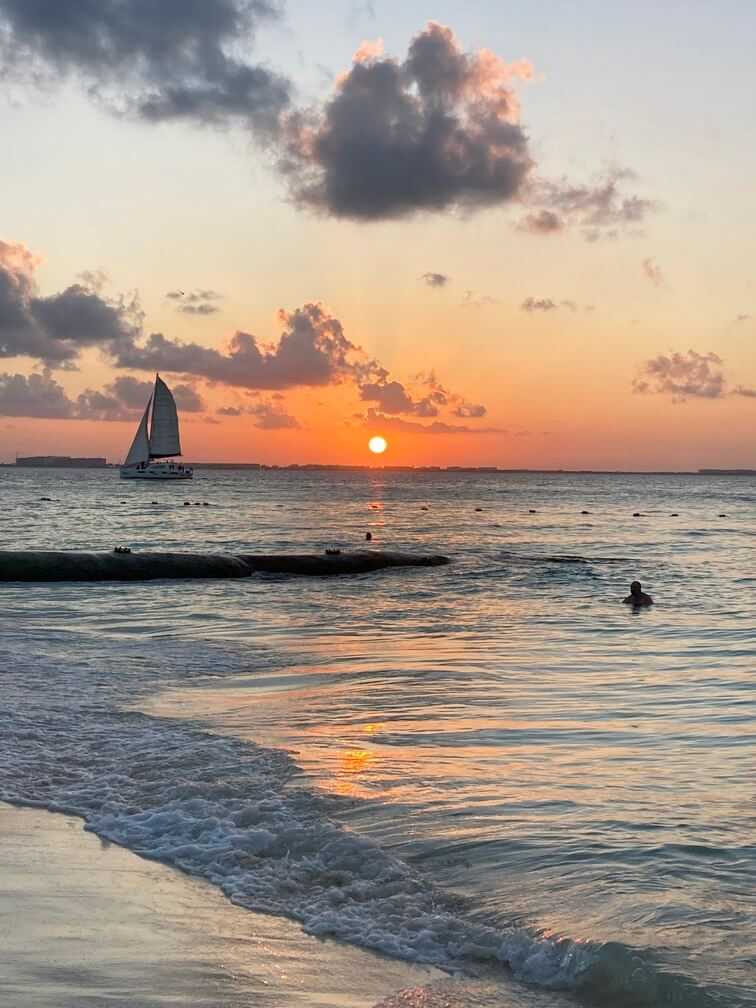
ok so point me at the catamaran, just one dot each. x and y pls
(157, 437)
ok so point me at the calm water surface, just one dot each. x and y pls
(494, 766)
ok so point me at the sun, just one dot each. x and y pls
(378, 445)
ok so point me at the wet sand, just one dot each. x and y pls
(83, 922)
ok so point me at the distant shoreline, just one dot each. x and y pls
(491, 470)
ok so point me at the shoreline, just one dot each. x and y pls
(86, 920)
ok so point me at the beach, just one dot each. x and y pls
(484, 783)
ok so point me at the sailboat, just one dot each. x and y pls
(156, 439)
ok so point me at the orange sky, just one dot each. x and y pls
(623, 338)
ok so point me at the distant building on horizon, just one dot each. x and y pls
(61, 462)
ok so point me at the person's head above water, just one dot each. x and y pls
(637, 596)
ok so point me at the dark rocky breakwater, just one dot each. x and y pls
(54, 565)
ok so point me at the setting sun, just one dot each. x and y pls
(377, 445)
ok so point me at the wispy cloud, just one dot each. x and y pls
(376, 420)
(202, 301)
(599, 210)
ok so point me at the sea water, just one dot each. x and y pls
(494, 767)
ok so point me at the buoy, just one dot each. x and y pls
(637, 514)
(423, 508)
(368, 536)
(585, 512)
(187, 503)
(205, 504)
(478, 509)
(532, 511)
(723, 516)
(674, 515)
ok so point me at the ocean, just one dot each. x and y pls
(493, 767)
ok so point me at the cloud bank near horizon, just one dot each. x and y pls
(312, 351)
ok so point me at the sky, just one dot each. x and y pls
(496, 235)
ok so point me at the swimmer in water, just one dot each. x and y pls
(637, 596)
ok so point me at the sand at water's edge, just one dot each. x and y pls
(82, 921)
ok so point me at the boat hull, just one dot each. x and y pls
(157, 471)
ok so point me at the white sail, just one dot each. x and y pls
(140, 446)
(164, 432)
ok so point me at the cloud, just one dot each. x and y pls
(56, 328)
(741, 390)
(437, 131)
(684, 376)
(601, 209)
(469, 410)
(542, 222)
(196, 302)
(743, 317)
(375, 419)
(392, 397)
(270, 416)
(532, 304)
(473, 300)
(173, 59)
(35, 396)
(40, 395)
(652, 272)
(311, 351)
(188, 399)
(435, 279)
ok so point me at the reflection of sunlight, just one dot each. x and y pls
(355, 761)
(372, 727)
(351, 765)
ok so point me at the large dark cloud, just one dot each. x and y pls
(157, 59)
(311, 351)
(55, 329)
(438, 131)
